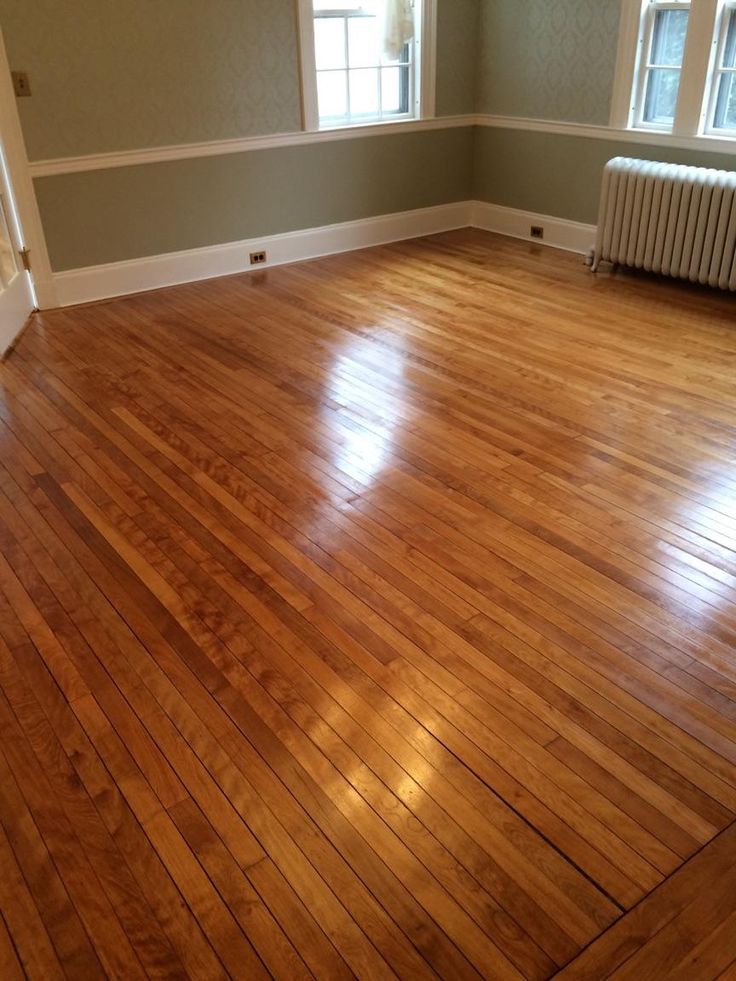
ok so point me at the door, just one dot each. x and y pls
(16, 289)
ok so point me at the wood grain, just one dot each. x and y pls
(371, 616)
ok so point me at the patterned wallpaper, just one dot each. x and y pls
(548, 59)
(111, 75)
(457, 56)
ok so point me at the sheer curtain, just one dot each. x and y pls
(398, 26)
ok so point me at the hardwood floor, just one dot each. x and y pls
(685, 929)
(372, 616)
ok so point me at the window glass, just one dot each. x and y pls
(725, 109)
(356, 81)
(664, 68)
(329, 43)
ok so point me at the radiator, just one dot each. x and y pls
(670, 219)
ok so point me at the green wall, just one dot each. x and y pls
(111, 75)
(553, 60)
(560, 175)
(109, 215)
(548, 59)
(458, 25)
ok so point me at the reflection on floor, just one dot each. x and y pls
(371, 615)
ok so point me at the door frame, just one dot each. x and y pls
(19, 175)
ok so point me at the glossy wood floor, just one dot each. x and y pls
(372, 616)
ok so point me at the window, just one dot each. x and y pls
(662, 64)
(677, 67)
(363, 61)
(723, 114)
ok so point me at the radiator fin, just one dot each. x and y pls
(670, 219)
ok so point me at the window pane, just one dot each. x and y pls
(404, 57)
(725, 117)
(729, 55)
(365, 49)
(351, 67)
(668, 42)
(329, 42)
(364, 92)
(391, 89)
(661, 96)
(332, 93)
(369, 6)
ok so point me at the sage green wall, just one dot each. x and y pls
(548, 59)
(119, 74)
(458, 23)
(110, 75)
(555, 60)
(560, 175)
(109, 215)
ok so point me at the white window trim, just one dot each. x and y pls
(693, 114)
(646, 41)
(425, 70)
(728, 10)
(697, 67)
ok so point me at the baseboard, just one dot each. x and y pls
(559, 233)
(153, 272)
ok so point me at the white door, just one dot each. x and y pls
(16, 289)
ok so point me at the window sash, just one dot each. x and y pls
(721, 74)
(646, 66)
(408, 103)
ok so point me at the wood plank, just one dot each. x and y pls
(374, 615)
(683, 929)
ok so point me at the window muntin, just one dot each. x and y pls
(723, 115)
(676, 68)
(356, 83)
(661, 68)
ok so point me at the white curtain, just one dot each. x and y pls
(398, 27)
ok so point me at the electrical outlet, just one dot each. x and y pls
(257, 258)
(536, 231)
(21, 83)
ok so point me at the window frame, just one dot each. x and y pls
(698, 75)
(727, 18)
(653, 7)
(409, 63)
(422, 80)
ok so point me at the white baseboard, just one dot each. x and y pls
(154, 272)
(137, 275)
(559, 233)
